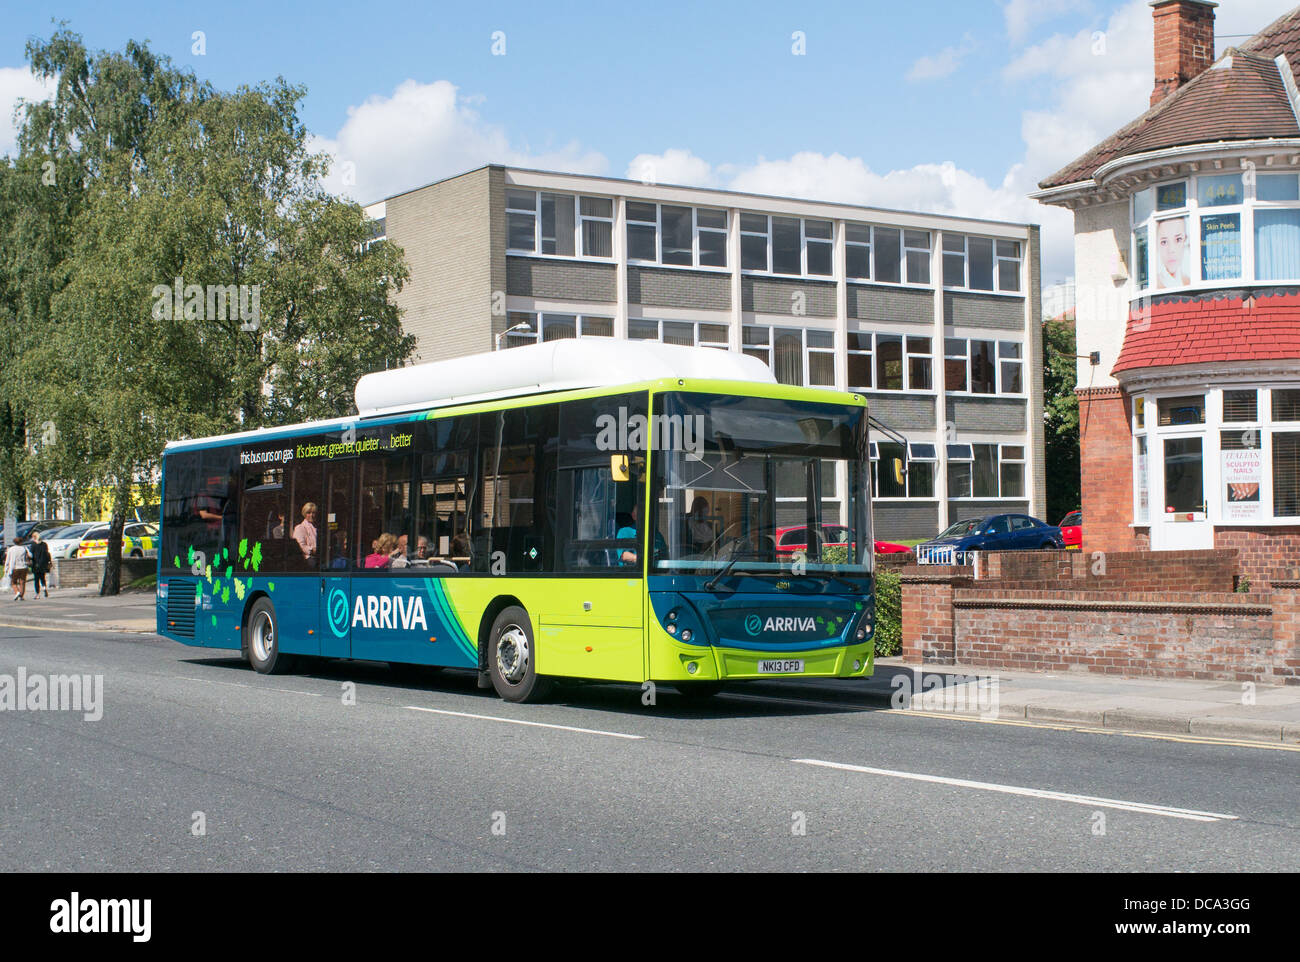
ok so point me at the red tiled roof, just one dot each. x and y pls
(1244, 101)
(1211, 330)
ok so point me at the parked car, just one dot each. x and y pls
(1072, 530)
(63, 541)
(995, 532)
(24, 529)
(795, 538)
(139, 540)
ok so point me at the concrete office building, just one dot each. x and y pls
(936, 319)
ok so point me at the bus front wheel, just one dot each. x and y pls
(698, 690)
(264, 652)
(512, 658)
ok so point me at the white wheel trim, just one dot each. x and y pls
(513, 654)
(263, 640)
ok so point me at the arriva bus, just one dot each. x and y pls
(590, 510)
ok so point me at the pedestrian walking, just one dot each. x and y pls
(17, 560)
(41, 562)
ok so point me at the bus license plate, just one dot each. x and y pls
(785, 666)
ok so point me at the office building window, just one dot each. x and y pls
(642, 232)
(986, 471)
(538, 328)
(857, 251)
(795, 355)
(786, 245)
(901, 362)
(686, 333)
(983, 367)
(981, 263)
(711, 230)
(597, 216)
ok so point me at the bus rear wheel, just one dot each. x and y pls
(263, 636)
(512, 658)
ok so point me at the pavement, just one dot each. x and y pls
(1228, 710)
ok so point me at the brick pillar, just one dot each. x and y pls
(1285, 599)
(1106, 470)
(1184, 43)
(927, 614)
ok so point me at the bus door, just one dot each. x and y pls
(338, 557)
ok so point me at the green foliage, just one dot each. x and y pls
(889, 612)
(137, 173)
(1061, 419)
(835, 554)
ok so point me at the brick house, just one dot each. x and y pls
(1187, 263)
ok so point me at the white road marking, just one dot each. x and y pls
(236, 684)
(1190, 814)
(519, 721)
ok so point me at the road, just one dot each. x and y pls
(436, 775)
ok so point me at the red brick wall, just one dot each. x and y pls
(927, 613)
(1184, 44)
(1263, 551)
(1153, 634)
(1214, 570)
(1106, 475)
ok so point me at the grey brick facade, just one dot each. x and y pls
(572, 280)
(779, 296)
(984, 310)
(892, 305)
(665, 287)
(902, 412)
(986, 414)
(905, 521)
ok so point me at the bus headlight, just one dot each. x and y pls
(671, 629)
(686, 634)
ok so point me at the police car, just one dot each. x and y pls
(139, 540)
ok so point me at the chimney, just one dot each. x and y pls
(1184, 43)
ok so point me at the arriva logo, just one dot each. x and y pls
(337, 612)
(386, 611)
(752, 624)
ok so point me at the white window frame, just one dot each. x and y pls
(999, 389)
(754, 350)
(907, 355)
(804, 240)
(538, 320)
(965, 264)
(583, 219)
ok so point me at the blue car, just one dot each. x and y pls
(995, 532)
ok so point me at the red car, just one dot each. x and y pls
(1072, 530)
(795, 538)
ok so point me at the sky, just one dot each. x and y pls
(935, 105)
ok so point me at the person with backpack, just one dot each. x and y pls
(40, 564)
(17, 560)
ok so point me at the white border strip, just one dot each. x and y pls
(1143, 807)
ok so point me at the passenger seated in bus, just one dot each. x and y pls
(421, 549)
(305, 533)
(381, 556)
(275, 524)
(460, 546)
(339, 552)
(397, 557)
(699, 529)
(628, 555)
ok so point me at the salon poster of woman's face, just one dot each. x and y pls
(1171, 253)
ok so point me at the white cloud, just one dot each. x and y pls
(16, 83)
(426, 131)
(673, 166)
(1021, 16)
(942, 64)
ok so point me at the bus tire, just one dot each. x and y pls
(263, 635)
(512, 658)
(698, 690)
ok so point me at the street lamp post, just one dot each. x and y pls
(521, 326)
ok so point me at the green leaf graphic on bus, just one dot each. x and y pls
(257, 556)
(243, 547)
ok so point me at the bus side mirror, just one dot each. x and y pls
(618, 467)
(898, 471)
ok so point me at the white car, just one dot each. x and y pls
(63, 541)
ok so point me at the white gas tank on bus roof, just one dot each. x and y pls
(554, 366)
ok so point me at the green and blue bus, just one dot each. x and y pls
(610, 511)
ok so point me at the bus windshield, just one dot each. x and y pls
(759, 485)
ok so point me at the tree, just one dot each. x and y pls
(1061, 417)
(199, 278)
